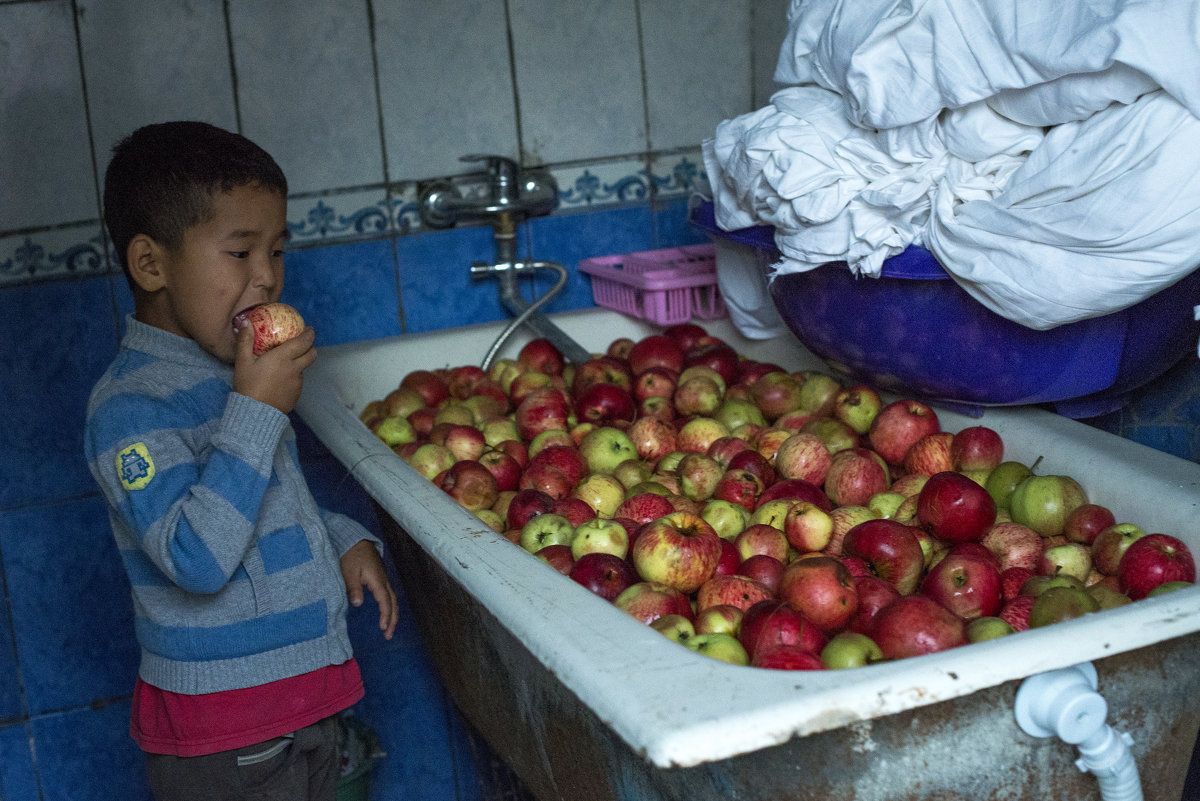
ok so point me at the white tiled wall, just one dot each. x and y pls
(359, 99)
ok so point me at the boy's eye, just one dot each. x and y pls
(240, 254)
(277, 254)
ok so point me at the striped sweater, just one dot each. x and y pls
(233, 567)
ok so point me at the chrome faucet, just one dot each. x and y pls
(511, 197)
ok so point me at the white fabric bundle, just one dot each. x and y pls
(1049, 156)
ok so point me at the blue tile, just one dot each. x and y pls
(672, 228)
(57, 338)
(346, 292)
(1172, 439)
(570, 238)
(71, 610)
(10, 678)
(408, 707)
(436, 286)
(88, 755)
(17, 779)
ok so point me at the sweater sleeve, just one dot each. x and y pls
(345, 532)
(188, 497)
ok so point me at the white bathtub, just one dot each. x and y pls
(584, 702)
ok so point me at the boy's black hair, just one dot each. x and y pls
(162, 177)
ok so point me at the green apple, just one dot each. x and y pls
(1169, 586)
(719, 619)
(885, 504)
(600, 535)
(606, 447)
(1043, 503)
(727, 518)
(734, 412)
(1057, 604)
(850, 649)
(395, 431)
(1070, 558)
(988, 628)
(600, 491)
(773, 513)
(546, 529)
(674, 627)
(1003, 479)
(718, 645)
(1036, 585)
(500, 429)
(1107, 597)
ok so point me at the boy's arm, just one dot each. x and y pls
(361, 555)
(192, 514)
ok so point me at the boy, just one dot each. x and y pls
(240, 582)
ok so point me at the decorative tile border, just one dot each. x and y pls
(328, 218)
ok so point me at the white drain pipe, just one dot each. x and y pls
(1064, 703)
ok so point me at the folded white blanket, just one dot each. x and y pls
(1047, 155)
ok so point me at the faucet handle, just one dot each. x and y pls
(503, 171)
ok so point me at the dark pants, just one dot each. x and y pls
(302, 765)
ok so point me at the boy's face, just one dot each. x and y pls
(226, 264)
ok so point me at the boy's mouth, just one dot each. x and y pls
(239, 319)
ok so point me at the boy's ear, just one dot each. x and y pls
(145, 263)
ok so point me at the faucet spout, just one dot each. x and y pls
(509, 191)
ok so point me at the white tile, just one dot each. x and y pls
(445, 85)
(46, 172)
(152, 61)
(770, 27)
(698, 69)
(305, 89)
(579, 79)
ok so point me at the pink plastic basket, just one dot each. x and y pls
(667, 286)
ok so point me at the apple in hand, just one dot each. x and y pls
(1153, 560)
(913, 625)
(954, 508)
(968, 586)
(679, 550)
(273, 324)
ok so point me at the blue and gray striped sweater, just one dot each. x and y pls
(234, 568)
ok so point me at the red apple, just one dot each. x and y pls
(769, 623)
(686, 335)
(965, 584)
(558, 556)
(547, 478)
(566, 458)
(822, 589)
(738, 486)
(1085, 522)
(543, 409)
(527, 504)
(787, 657)
(576, 510)
(525, 383)
(930, 454)
(647, 601)
(717, 356)
(795, 489)
(803, 455)
(751, 461)
(808, 527)
(273, 324)
(1014, 545)
(1012, 579)
(730, 559)
(428, 384)
(854, 475)
(1110, 545)
(656, 350)
(891, 549)
(955, 508)
(604, 574)
(470, 484)
(1016, 612)
(644, 507)
(898, 425)
(654, 382)
(503, 467)
(723, 449)
(542, 356)
(761, 538)
(913, 625)
(732, 589)
(1153, 560)
(698, 434)
(603, 404)
(679, 550)
(697, 395)
(775, 394)
(764, 568)
(603, 369)
(873, 594)
(976, 448)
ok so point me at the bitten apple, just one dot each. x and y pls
(273, 324)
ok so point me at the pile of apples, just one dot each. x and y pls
(765, 517)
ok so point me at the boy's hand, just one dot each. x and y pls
(362, 567)
(277, 376)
